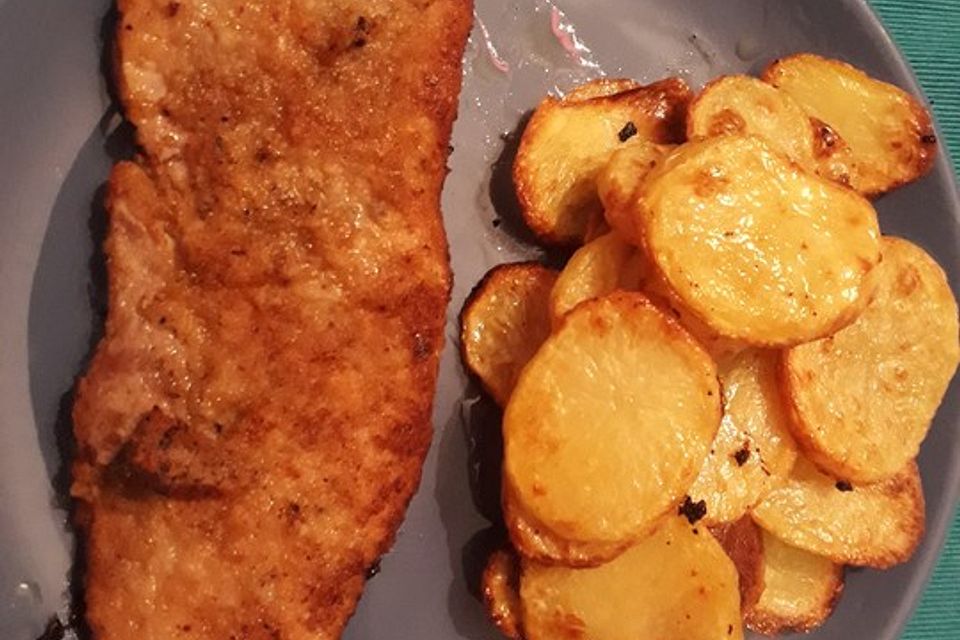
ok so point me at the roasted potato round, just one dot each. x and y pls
(743, 104)
(889, 132)
(599, 267)
(676, 583)
(800, 590)
(500, 586)
(753, 451)
(874, 525)
(567, 141)
(610, 421)
(864, 397)
(504, 322)
(760, 250)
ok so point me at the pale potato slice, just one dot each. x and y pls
(599, 88)
(864, 397)
(619, 178)
(753, 451)
(742, 541)
(610, 421)
(890, 133)
(566, 143)
(599, 267)
(504, 322)
(800, 590)
(500, 586)
(759, 249)
(743, 104)
(874, 525)
(673, 584)
(532, 540)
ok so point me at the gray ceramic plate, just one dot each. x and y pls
(54, 154)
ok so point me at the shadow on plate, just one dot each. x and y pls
(68, 302)
(470, 450)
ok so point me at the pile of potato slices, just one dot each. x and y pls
(715, 406)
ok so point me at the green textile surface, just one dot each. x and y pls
(928, 33)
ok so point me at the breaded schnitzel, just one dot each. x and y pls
(254, 421)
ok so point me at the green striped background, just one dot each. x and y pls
(928, 32)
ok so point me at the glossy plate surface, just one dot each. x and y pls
(55, 152)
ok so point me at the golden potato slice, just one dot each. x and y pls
(889, 132)
(800, 590)
(673, 584)
(599, 88)
(874, 525)
(757, 248)
(864, 397)
(566, 143)
(753, 451)
(743, 104)
(534, 541)
(504, 322)
(619, 178)
(743, 543)
(500, 585)
(610, 421)
(602, 266)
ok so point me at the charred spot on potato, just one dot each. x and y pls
(742, 455)
(173, 9)
(692, 511)
(843, 485)
(928, 138)
(629, 130)
(373, 570)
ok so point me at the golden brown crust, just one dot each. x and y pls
(599, 88)
(500, 586)
(743, 543)
(259, 407)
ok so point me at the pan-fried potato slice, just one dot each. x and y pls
(566, 143)
(673, 584)
(864, 397)
(599, 88)
(504, 322)
(743, 104)
(619, 178)
(757, 248)
(602, 266)
(873, 525)
(500, 585)
(742, 541)
(800, 590)
(534, 541)
(610, 421)
(753, 451)
(889, 132)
